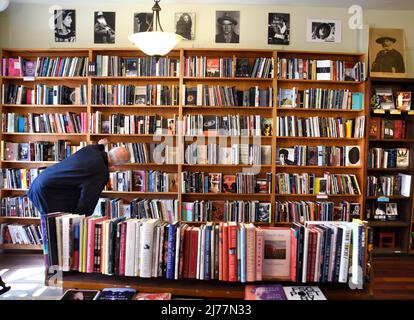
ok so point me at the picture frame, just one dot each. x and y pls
(323, 31)
(227, 26)
(387, 53)
(278, 31)
(184, 23)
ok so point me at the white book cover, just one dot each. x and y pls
(305, 255)
(177, 251)
(304, 293)
(130, 247)
(323, 70)
(276, 262)
(345, 250)
(137, 247)
(405, 184)
(146, 247)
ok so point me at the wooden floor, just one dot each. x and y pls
(393, 277)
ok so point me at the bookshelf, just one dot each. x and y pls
(401, 229)
(180, 108)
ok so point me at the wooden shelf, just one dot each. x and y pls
(32, 247)
(316, 110)
(237, 166)
(319, 196)
(45, 78)
(188, 107)
(43, 134)
(319, 138)
(28, 162)
(388, 169)
(68, 106)
(391, 140)
(132, 106)
(281, 167)
(389, 197)
(396, 224)
(20, 219)
(226, 196)
(137, 193)
(385, 251)
(134, 78)
(227, 79)
(320, 81)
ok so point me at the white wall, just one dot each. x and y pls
(27, 26)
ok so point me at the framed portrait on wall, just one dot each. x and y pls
(387, 53)
(185, 24)
(104, 27)
(322, 30)
(227, 26)
(65, 25)
(278, 28)
(142, 21)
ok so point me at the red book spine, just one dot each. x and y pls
(232, 242)
(313, 257)
(225, 253)
(293, 250)
(186, 252)
(221, 251)
(121, 267)
(193, 253)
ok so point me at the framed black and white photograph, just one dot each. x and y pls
(142, 21)
(185, 24)
(65, 25)
(320, 30)
(278, 28)
(104, 27)
(227, 26)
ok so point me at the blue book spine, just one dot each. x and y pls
(207, 253)
(243, 254)
(206, 185)
(171, 252)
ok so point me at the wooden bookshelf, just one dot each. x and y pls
(181, 109)
(404, 226)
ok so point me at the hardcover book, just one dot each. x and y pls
(210, 125)
(353, 156)
(214, 182)
(386, 98)
(213, 67)
(242, 67)
(404, 100)
(191, 96)
(304, 293)
(152, 296)
(217, 211)
(116, 294)
(403, 156)
(72, 294)
(276, 261)
(131, 66)
(264, 292)
(229, 183)
(374, 128)
(264, 211)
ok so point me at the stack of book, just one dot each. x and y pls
(391, 185)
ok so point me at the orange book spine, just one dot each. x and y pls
(221, 251)
(225, 267)
(250, 253)
(259, 253)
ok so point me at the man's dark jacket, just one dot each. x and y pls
(73, 185)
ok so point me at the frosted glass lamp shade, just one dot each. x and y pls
(155, 43)
(4, 4)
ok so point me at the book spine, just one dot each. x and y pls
(232, 253)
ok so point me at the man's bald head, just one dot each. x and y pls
(118, 156)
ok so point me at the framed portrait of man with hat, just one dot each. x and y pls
(387, 53)
(227, 26)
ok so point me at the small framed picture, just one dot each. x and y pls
(104, 27)
(65, 25)
(321, 30)
(227, 26)
(142, 21)
(278, 28)
(185, 24)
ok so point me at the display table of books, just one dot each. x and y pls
(211, 260)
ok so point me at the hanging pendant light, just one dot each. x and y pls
(154, 42)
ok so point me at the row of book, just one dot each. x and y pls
(142, 181)
(134, 66)
(229, 125)
(386, 128)
(146, 248)
(302, 211)
(227, 96)
(317, 127)
(319, 98)
(201, 182)
(39, 151)
(208, 67)
(243, 153)
(164, 209)
(384, 99)
(301, 155)
(45, 67)
(19, 206)
(42, 94)
(19, 178)
(120, 123)
(389, 185)
(296, 68)
(226, 211)
(151, 94)
(20, 234)
(389, 158)
(68, 122)
(309, 183)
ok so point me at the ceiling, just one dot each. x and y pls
(367, 4)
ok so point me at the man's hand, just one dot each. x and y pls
(103, 141)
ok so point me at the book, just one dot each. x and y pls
(323, 70)
(242, 67)
(357, 101)
(73, 294)
(131, 67)
(403, 157)
(303, 293)
(209, 125)
(286, 98)
(213, 67)
(276, 260)
(229, 183)
(191, 96)
(391, 211)
(264, 292)
(374, 129)
(152, 296)
(29, 68)
(264, 212)
(214, 182)
(286, 156)
(116, 294)
(404, 100)
(386, 98)
(353, 156)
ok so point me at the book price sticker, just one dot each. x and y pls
(379, 111)
(383, 199)
(410, 113)
(28, 78)
(395, 111)
(322, 196)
